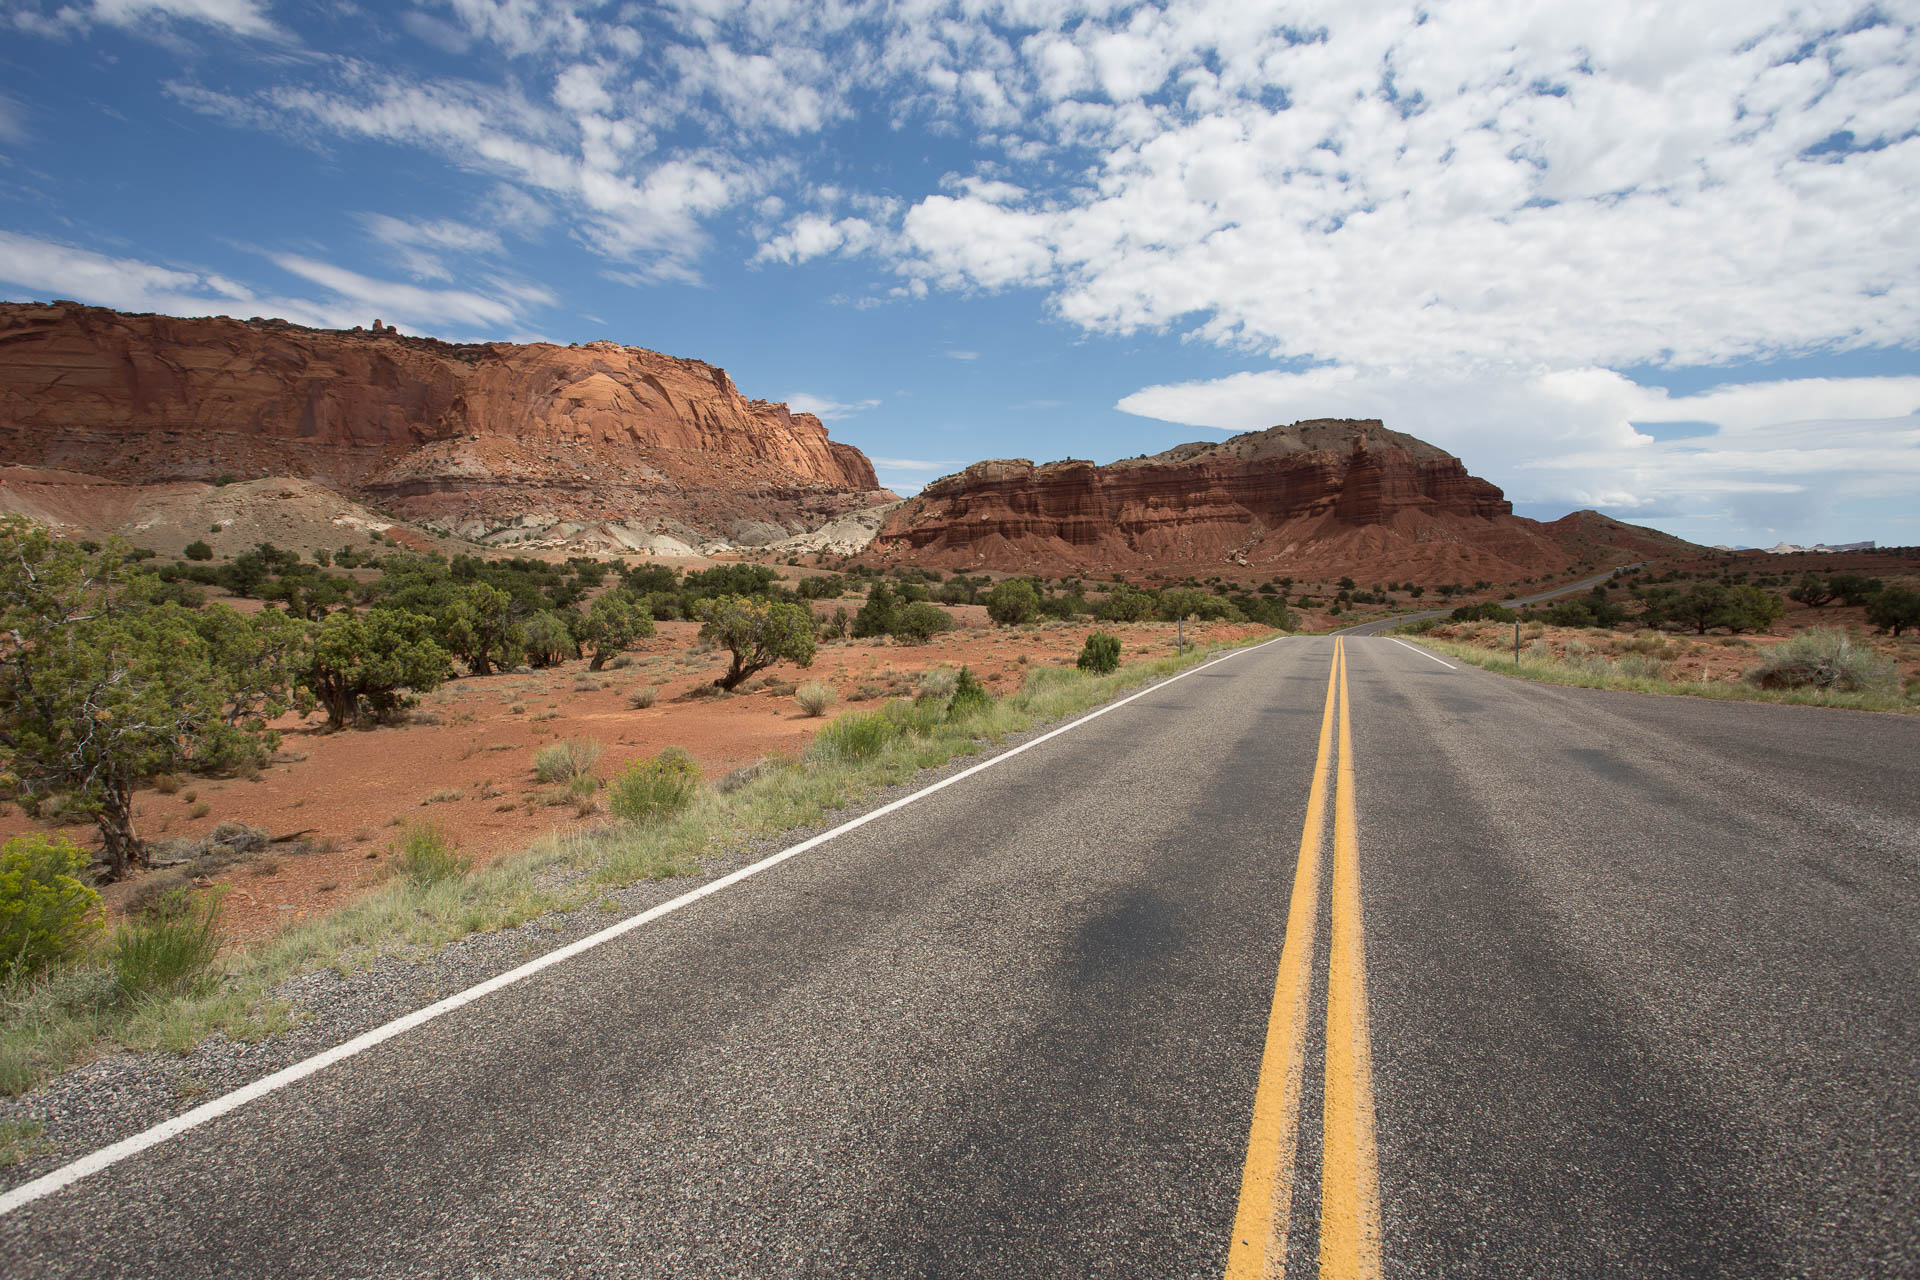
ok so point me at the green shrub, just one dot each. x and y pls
(814, 698)
(197, 550)
(425, 856)
(860, 735)
(1013, 603)
(170, 948)
(970, 697)
(46, 909)
(1825, 660)
(565, 761)
(1100, 655)
(920, 622)
(655, 788)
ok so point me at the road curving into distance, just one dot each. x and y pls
(1328, 957)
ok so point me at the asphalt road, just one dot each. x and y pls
(1642, 997)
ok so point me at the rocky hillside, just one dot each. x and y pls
(494, 442)
(1313, 500)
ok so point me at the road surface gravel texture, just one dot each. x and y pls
(1641, 988)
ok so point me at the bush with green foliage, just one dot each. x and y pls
(1127, 604)
(1485, 611)
(814, 698)
(1854, 589)
(823, 586)
(920, 622)
(613, 623)
(197, 550)
(100, 688)
(875, 617)
(1823, 659)
(362, 664)
(1013, 603)
(655, 788)
(1100, 655)
(1894, 609)
(169, 948)
(758, 633)
(1813, 591)
(546, 639)
(47, 910)
(426, 856)
(970, 697)
(1190, 602)
(858, 735)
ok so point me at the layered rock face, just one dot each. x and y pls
(1313, 500)
(493, 441)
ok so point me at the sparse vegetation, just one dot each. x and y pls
(425, 856)
(1823, 659)
(649, 790)
(814, 698)
(169, 948)
(565, 761)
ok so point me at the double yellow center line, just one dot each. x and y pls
(1349, 1184)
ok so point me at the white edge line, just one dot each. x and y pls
(87, 1165)
(1423, 653)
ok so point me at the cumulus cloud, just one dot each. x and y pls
(1569, 437)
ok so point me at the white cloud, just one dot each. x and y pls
(13, 121)
(42, 269)
(917, 464)
(239, 17)
(418, 244)
(828, 410)
(960, 355)
(1566, 437)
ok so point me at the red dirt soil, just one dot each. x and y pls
(465, 761)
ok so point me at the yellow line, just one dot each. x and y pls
(1259, 1248)
(1349, 1178)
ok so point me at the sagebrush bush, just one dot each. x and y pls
(938, 683)
(46, 909)
(655, 788)
(642, 698)
(1100, 655)
(814, 698)
(1824, 659)
(1642, 666)
(170, 948)
(426, 856)
(565, 761)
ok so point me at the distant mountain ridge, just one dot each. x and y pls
(1315, 499)
(495, 442)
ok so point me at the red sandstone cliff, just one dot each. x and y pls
(1313, 500)
(485, 440)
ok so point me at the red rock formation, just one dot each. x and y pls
(1314, 501)
(470, 437)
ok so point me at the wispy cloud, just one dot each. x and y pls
(828, 410)
(917, 464)
(961, 355)
(44, 269)
(237, 17)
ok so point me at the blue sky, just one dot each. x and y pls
(1043, 229)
